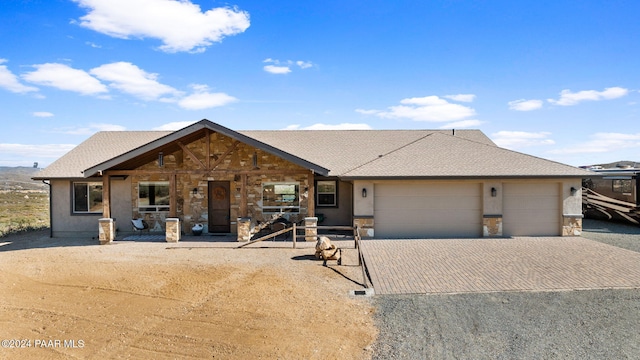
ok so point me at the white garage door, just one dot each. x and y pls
(531, 209)
(427, 210)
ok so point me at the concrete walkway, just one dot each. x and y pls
(488, 265)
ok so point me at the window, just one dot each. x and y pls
(153, 196)
(87, 197)
(621, 186)
(326, 192)
(280, 197)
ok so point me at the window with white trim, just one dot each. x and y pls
(280, 197)
(87, 198)
(153, 196)
(326, 193)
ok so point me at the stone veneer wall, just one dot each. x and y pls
(192, 208)
(366, 224)
(492, 225)
(571, 225)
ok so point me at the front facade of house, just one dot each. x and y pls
(392, 184)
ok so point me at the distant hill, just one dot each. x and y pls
(619, 164)
(19, 178)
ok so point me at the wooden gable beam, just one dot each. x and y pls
(191, 155)
(226, 153)
(207, 139)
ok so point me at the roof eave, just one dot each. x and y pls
(461, 177)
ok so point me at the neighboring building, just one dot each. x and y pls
(393, 183)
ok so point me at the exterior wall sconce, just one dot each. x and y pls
(194, 192)
(364, 192)
(161, 159)
(494, 192)
(573, 190)
(255, 160)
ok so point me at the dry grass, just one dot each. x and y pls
(23, 210)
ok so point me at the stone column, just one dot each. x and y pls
(572, 225)
(106, 230)
(311, 228)
(172, 230)
(492, 225)
(244, 229)
(365, 224)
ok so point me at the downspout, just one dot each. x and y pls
(50, 209)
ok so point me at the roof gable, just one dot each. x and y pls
(191, 129)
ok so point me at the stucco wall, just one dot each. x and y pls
(64, 222)
(570, 205)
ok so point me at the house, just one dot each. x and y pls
(392, 183)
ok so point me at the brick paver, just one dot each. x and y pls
(488, 265)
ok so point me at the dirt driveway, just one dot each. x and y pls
(152, 300)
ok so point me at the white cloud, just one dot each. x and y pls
(367, 112)
(63, 77)
(462, 124)
(343, 126)
(461, 97)
(273, 69)
(568, 98)
(203, 99)
(304, 64)
(284, 67)
(93, 45)
(10, 82)
(180, 25)
(520, 139)
(90, 129)
(428, 108)
(132, 80)
(602, 143)
(173, 126)
(525, 105)
(27, 154)
(42, 114)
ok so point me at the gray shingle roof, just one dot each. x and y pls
(346, 153)
(99, 148)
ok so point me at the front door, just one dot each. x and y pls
(219, 205)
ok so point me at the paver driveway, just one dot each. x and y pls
(487, 265)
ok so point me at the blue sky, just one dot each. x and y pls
(554, 79)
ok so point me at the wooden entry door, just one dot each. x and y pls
(219, 207)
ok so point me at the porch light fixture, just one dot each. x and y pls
(573, 190)
(160, 159)
(194, 191)
(494, 192)
(364, 192)
(255, 160)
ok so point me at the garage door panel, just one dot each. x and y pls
(417, 189)
(428, 210)
(532, 202)
(416, 203)
(432, 217)
(531, 209)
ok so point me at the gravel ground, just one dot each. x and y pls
(587, 324)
